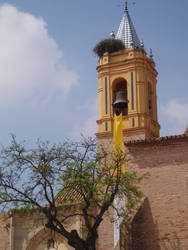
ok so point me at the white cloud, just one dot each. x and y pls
(174, 117)
(176, 111)
(31, 64)
(88, 127)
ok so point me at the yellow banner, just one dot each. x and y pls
(118, 145)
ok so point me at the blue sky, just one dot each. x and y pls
(48, 78)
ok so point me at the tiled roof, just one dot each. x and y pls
(159, 139)
(69, 193)
(127, 33)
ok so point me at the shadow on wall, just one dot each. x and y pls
(145, 234)
(173, 243)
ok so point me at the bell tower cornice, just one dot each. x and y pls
(129, 60)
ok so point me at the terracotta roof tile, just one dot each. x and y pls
(68, 194)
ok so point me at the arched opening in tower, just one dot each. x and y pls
(119, 85)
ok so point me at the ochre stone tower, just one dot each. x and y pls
(133, 71)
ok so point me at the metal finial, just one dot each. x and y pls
(142, 43)
(128, 3)
(151, 54)
(126, 6)
(112, 34)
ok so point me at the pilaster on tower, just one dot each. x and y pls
(131, 70)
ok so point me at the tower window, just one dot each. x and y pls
(133, 122)
(119, 85)
(106, 126)
(150, 106)
(150, 97)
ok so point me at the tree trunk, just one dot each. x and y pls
(89, 244)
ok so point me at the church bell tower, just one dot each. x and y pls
(133, 72)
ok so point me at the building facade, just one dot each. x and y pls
(162, 221)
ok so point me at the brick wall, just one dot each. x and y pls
(4, 232)
(106, 235)
(162, 222)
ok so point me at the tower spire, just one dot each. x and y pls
(126, 31)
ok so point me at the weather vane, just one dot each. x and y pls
(127, 3)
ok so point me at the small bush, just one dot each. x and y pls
(108, 45)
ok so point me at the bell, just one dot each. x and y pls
(120, 102)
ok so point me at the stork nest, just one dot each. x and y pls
(108, 45)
